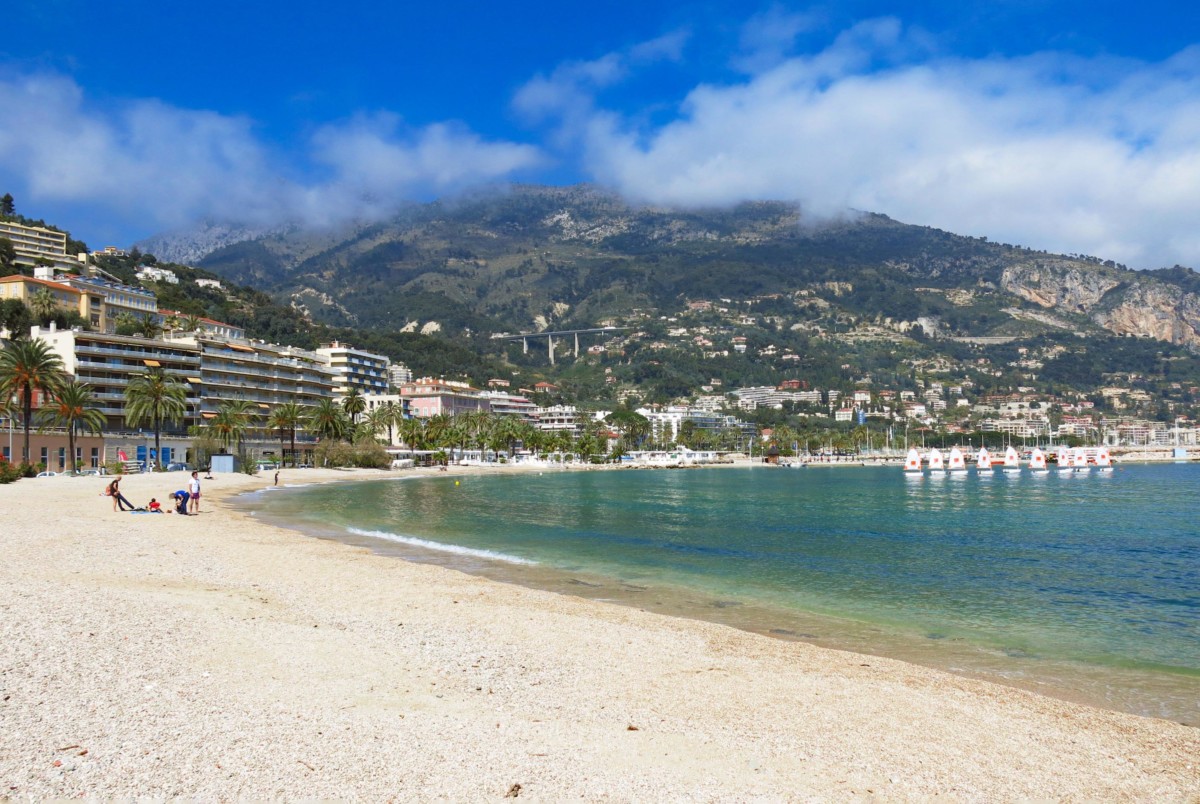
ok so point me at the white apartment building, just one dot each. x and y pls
(558, 418)
(399, 374)
(108, 362)
(356, 368)
(262, 373)
(32, 243)
(149, 273)
(505, 404)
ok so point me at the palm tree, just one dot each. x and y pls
(43, 304)
(412, 433)
(70, 407)
(189, 323)
(328, 420)
(286, 419)
(25, 367)
(354, 404)
(148, 328)
(156, 397)
(231, 422)
(391, 417)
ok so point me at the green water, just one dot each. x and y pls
(1088, 584)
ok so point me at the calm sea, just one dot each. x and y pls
(1084, 586)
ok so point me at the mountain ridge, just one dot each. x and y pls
(535, 256)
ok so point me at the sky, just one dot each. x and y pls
(1067, 126)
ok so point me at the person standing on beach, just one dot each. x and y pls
(114, 491)
(194, 491)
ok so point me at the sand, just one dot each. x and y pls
(216, 657)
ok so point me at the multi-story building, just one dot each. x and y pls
(118, 298)
(665, 422)
(503, 403)
(356, 369)
(88, 305)
(108, 363)
(560, 418)
(399, 374)
(33, 243)
(149, 273)
(429, 397)
(263, 374)
(376, 401)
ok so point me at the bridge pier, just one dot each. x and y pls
(550, 341)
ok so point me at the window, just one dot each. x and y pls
(95, 457)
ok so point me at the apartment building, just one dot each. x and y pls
(32, 243)
(429, 397)
(88, 305)
(108, 362)
(356, 369)
(560, 418)
(503, 403)
(118, 298)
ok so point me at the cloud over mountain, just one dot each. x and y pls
(1095, 155)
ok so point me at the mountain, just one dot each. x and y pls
(561, 257)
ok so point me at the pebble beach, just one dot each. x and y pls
(217, 657)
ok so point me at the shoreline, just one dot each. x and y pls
(219, 656)
(1167, 693)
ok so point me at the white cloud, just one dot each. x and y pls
(1052, 151)
(164, 166)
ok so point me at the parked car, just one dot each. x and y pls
(47, 474)
(177, 467)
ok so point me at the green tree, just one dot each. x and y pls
(72, 408)
(285, 420)
(16, 318)
(354, 404)
(7, 205)
(156, 398)
(232, 422)
(328, 420)
(26, 367)
(8, 257)
(44, 305)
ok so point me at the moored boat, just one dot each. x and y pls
(1037, 460)
(1104, 460)
(957, 462)
(1012, 463)
(983, 460)
(936, 463)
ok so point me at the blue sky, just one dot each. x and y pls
(1070, 126)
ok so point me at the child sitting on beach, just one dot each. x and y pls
(155, 506)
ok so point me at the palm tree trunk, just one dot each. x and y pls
(28, 405)
(293, 432)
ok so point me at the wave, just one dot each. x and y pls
(413, 541)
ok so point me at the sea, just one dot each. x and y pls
(1084, 586)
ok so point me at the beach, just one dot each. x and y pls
(216, 656)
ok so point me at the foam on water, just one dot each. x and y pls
(426, 544)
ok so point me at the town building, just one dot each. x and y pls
(108, 363)
(34, 243)
(88, 305)
(429, 397)
(503, 403)
(356, 369)
(118, 299)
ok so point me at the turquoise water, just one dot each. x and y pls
(1092, 580)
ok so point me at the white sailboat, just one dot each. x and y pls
(1011, 462)
(957, 462)
(912, 463)
(1103, 460)
(936, 464)
(983, 460)
(1037, 460)
(1079, 460)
